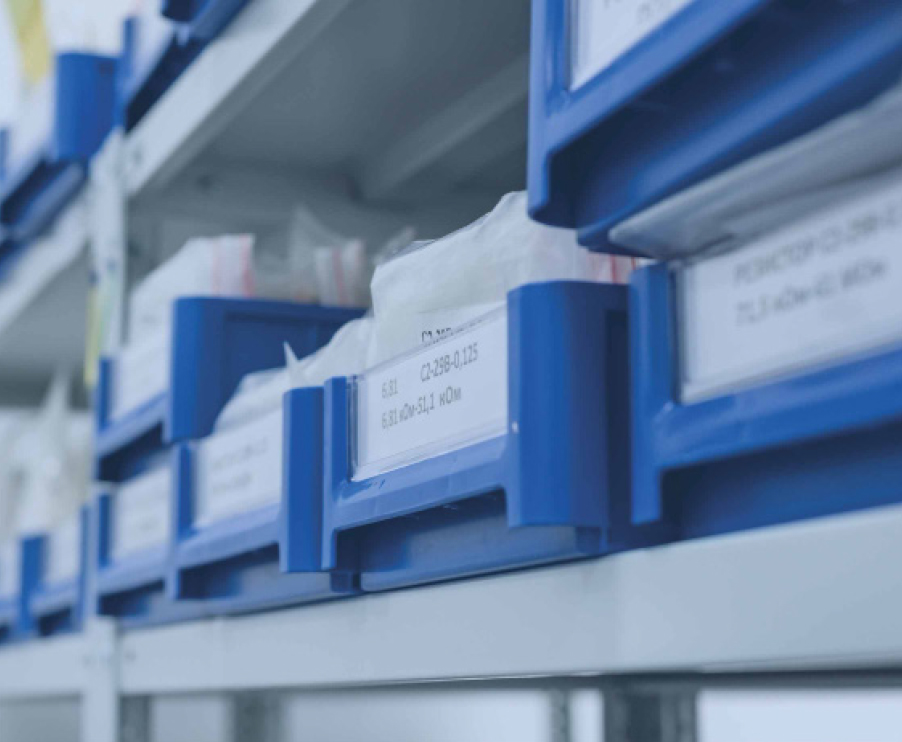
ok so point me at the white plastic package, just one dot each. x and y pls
(142, 512)
(433, 287)
(261, 392)
(345, 355)
(51, 454)
(205, 266)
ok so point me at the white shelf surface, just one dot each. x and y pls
(55, 667)
(819, 596)
(407, 100)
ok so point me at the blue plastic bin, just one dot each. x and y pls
(16, 622)
(38, 186)
(202, 20)
(133, 587)
(59, 607)
(819, 442)
(552, 486)
(714, 84)
(215, 343)
(232, 565)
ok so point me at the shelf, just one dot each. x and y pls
(407, 101)
(820, 596)
(49, 668)
(43, 301)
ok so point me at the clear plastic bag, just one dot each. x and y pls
(454, 279)
(345, 355)
(261, 392)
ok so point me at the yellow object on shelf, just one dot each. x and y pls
(31, 34)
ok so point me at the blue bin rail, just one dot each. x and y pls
(36, 190)
(553, 487)
(145, 77)
(719, 82)
(59, 607)
(822, 442)
(16, 621)
(233, 566)
(216, 342)
(203, 20)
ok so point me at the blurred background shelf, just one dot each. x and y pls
(43, 308)
(431, 102)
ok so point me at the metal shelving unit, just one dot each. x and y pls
(812, 603)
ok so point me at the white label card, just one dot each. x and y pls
(822, 288)
(63, 550)
(603, 30)
(140, 372)
(239, 469)
(142, 513)
(439, 398)
(10, 557)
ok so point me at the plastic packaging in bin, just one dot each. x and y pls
(632, 102)
(431, 288)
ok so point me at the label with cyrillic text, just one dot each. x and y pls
(63, 550)
(603, 30)
(823, 288)
(442, 397)
(9, 568)
(140, 372)
(239, 469)
(142, 513)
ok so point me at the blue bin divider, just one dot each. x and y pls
(215, 343)
(133, 590)
(146, 71)
(16, 620)
(717, 83)
(60, 607)
(553, 487)
(36, 190)
(202, 20)
(822, 442)
(233, 566)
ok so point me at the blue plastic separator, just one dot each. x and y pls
(59, 607)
